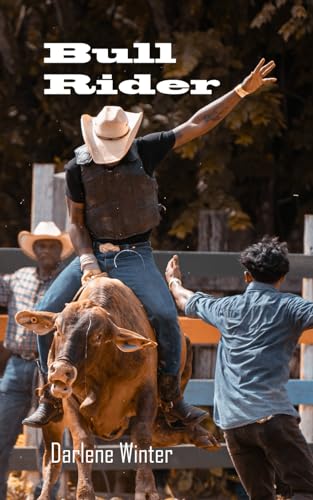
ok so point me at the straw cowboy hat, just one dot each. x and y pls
(109, 135)
(44, 231)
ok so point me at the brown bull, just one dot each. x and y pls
(103, 364)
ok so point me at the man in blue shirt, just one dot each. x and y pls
(259, 330)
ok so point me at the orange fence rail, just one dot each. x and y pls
(3, 324)
(197, 330)
(200, 332)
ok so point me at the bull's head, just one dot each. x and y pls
(81, 330)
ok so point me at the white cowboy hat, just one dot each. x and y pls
(109, 135)
(44, 231)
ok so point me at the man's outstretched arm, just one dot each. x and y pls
(209, 116)
(173, 277)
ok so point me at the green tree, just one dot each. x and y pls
(253, 164)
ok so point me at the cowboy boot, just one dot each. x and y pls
(173, 403)
(49, 409)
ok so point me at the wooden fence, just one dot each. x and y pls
(211, 268)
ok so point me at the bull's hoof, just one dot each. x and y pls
(204, 439)
(85, 495)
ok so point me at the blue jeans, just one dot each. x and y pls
(16, 388)
(134, 266)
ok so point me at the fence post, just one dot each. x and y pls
(42, 193)
(212, 231)
(48, 196)
(60, 214)
(306, 359)
(41, 210)
(48, 204)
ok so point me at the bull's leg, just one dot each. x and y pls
(82, 440)
(141, 436)
(51, 462)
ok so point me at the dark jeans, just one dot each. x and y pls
(260, 450)
(16, 389)
(137, 269)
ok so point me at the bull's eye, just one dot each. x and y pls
(33, 319)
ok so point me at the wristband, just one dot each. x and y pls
(88, 261)
(177, 281)
(240, 91)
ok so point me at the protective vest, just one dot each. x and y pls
(121, 201)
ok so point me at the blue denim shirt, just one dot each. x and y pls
(259, 330)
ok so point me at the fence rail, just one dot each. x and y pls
(213, 270)
(198, 392)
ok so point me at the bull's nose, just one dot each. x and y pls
(60, 390)
(60, 370)
(67, 372)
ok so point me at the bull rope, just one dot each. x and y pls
(128, 250)
(86, 352)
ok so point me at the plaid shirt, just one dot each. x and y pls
(18, 291)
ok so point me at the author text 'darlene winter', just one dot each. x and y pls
(129, 453)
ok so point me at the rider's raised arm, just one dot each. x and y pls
(209, 116)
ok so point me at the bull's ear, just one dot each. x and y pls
(40, 322)
(128, 341)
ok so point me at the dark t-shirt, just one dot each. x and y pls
(152, 149)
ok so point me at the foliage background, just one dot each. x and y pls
(257, 164)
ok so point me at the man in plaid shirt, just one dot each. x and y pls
(22, 290)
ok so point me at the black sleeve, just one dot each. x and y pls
(152, 148)
(74, 185)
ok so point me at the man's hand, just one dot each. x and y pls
(173, 269)
(257, 77)
(89, 274)
(173, 277)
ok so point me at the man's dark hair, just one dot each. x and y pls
(267, 261)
